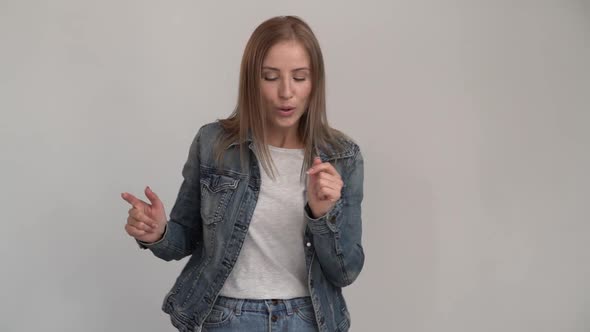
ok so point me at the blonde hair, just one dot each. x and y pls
(249, 116)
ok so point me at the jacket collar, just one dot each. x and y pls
(324, 154)
(248, 139)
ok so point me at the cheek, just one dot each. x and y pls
(304, 91)
(267, 92)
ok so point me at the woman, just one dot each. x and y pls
(270, 206)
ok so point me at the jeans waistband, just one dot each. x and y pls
(270, 305)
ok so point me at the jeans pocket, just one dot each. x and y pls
(306, 313)
(218, 316)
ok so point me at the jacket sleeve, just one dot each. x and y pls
(337, 235)
(183, 233)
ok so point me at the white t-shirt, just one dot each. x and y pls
(271, 264)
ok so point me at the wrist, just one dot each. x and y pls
(313, 214)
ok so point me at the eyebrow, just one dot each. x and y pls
(277, 69)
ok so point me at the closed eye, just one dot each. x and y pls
(298, 79)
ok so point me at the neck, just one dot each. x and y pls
(284, 139)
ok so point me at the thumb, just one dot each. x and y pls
(316, 161)
(154, 199)
(134, 201)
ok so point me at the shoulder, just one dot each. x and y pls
(210, 130)
(340, 146)
(207, 135)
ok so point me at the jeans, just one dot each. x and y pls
(231, 314)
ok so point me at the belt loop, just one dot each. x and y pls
(239, 304)
(288, 307)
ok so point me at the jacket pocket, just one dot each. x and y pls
(216, 192)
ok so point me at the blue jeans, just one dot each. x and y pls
(231, 314)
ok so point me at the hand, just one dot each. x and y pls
(146, 222)
(324, 187)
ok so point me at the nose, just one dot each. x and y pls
(285, 89)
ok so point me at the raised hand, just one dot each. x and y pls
(324, 187)
(146, 222)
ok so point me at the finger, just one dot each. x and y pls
(316, 161)
(320, 195)
(330, 177)
(324, 179)
(326, 193)
(134, 201)
(140, 225)
(323, 167)
(154, 199)
(312, 183)
(323, 183)
(141, 217)
(134, 231)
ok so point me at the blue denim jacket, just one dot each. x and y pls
(210, 219)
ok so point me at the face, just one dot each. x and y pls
(285, 85)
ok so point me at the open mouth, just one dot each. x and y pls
(286, 111)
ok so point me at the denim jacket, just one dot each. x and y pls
(210, 219)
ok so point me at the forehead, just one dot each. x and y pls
(286, 55)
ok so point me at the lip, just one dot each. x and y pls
(286, 110)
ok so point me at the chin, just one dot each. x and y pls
(285, 123)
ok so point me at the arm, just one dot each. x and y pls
(183, 231)
(337, 234)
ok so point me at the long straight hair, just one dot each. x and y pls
(249, 116)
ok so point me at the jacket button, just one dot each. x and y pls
(273, 318)
(308, 244)
(332, 219)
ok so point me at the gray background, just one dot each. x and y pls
(472, 116)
